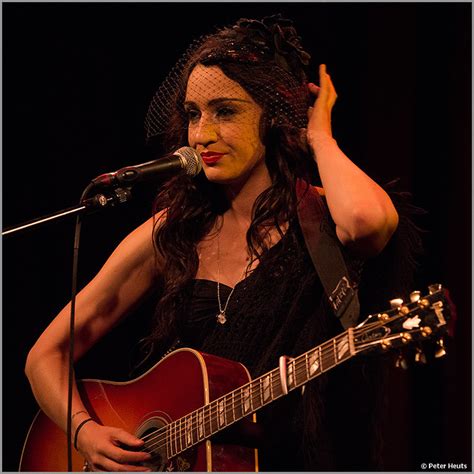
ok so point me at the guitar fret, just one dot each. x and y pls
(251, 392)
(266, 389)
(195, 427)
(200, 426)
(214, 417)
(237, 404)
(343, 351)
(320, 363)
(334, 354)
(314, 363)
(229, 408)
(221, 413)
(233, 405)
(180, 434)
(272, 393)
(256, 399)
(168, 441)
(175, 439)
(276, 383)
(209, 410)
(306, 365)
(246, 399)
(261, 399)
(226, 410)
(176, 432)
(183, 434)
(218, 416)
(189, 432)
(299, 374)
(171, 439)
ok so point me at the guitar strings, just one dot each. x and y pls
(179, 429)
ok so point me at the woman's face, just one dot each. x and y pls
(223, 125)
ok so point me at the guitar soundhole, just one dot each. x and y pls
(154, 443)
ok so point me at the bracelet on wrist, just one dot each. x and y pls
(79, 426)
(77, 413)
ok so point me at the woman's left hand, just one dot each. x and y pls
(319, 116)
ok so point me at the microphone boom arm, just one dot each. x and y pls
(88, 206)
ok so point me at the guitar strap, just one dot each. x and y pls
(324, 249)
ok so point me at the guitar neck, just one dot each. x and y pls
(208, 420)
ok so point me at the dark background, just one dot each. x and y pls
(76, 84)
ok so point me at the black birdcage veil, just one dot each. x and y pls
(265, 58)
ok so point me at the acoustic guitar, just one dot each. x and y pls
(189, 396)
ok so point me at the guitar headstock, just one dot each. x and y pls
(424, 317)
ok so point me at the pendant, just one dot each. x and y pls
(221, 318)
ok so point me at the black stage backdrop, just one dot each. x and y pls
(76, 84)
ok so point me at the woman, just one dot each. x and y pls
(226, 247)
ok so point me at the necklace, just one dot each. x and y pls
(221, 316)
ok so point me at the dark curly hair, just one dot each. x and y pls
(266, 59)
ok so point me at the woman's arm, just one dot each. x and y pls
(125, 278)
(363, 212)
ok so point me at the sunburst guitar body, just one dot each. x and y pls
(157, 407)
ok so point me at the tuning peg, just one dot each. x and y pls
(401, 362)
(386, 344)
(441, 351)
(396, 302)
(426, 331)
(415, 296)
(434, 288)
(420, 357)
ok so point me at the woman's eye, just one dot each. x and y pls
(225, 112)
(192, 115)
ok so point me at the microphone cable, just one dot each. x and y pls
(75, 260)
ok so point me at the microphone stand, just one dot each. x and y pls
(87, 206)
(99, 201)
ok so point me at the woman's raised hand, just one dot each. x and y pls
(319, 115)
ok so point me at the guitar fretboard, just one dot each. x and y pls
(184, 433)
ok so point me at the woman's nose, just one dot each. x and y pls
(203, 133)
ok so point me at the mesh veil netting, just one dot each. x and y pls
(265, 57)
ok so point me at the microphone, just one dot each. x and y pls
(185, 159)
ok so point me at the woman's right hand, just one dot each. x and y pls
(111, 449)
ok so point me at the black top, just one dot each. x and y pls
(281, 309)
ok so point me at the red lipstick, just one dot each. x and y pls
(211, 157)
